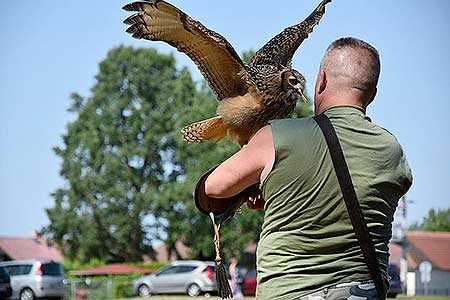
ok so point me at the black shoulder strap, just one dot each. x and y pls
(352, 203)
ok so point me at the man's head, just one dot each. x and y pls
(348, 75)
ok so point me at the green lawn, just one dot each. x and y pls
(182, 298)
(425, 297)
(251, 298)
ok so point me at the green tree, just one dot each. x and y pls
(435, 221)
(117, 155)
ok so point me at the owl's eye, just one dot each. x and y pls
(293, 81)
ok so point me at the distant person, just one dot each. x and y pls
(307, 248)
(235, 279)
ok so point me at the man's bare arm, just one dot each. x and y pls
(248, 166)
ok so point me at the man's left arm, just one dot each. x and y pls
(246, 167)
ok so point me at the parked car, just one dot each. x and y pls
(190, 277)
(35, 279)
(249, 283)
(5, 284)
(395, 285)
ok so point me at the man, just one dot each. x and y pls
(235, 279)
(307, 247)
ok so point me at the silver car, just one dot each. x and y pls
(5, 284)
(190, 277)
(35, 279)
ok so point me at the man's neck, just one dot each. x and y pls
(338, 100)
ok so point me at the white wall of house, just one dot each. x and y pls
(438, 285)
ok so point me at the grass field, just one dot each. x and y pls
(425, 297)
(252, 298)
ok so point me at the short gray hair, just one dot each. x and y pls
(354, 60)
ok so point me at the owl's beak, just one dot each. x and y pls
(299, 89)
(304, 99)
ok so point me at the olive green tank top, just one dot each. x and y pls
(307, 242)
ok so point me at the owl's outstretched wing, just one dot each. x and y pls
(281, 48)
(218, 62)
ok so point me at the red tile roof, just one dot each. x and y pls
(431, 246)
(29, 248)
(424, 245)
(395, 252)
(112, 269)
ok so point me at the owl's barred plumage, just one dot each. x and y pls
(249, 95)
(217, 60)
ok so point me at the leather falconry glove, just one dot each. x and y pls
(226, 207)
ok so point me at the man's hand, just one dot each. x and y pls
(256, 203)
(254, 197)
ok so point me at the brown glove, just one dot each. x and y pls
(225, 206)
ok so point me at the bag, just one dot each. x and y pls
(351, 202)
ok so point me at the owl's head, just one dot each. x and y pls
(293, 81)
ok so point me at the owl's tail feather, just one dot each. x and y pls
(211, 129)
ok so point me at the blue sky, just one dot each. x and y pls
(52, 48)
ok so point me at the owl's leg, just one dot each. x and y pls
(211, 129)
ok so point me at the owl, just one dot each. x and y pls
(249, 95)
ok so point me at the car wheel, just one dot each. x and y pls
(193, 290)
(144, 291)
(26, 294)
(392, 295)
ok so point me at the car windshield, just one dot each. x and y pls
(3, 272)
(52, 269)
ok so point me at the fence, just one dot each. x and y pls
(92, 289)
(433, 292)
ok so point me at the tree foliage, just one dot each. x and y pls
(436, 220)
(117, 156)
(129, 177)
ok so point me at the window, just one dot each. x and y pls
(169, 270)
(3, 273)
(186, 269)
(12, 270)
(393, 271)
(15, 270)
(52, 269)
(25, 269)
(251, 274)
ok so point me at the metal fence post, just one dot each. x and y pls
(109, 288)
(73, 289)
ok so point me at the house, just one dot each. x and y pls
(424, 250)
(36, 247)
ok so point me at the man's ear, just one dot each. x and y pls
(322, 82)
(372, 97)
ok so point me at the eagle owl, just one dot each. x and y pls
(249, 95)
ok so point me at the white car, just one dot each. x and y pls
(33, 279)
(190, 277)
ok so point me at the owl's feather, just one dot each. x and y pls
(281, 48)
(249, 94)
(219, 63)
(211, 129)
